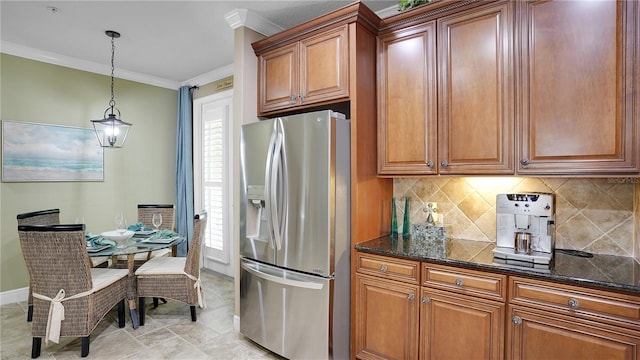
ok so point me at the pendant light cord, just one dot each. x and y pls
(112, 103)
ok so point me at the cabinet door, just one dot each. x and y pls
(544, 335)
(278, 78)
(476, 117)
(578, 69)
(407, 101)
(459, 327)
(386, 319)
(324, 67)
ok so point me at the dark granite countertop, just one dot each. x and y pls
(607, 272)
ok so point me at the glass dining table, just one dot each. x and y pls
(136, 245)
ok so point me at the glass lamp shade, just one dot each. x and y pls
(111, 131)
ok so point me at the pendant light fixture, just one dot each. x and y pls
(111, 131)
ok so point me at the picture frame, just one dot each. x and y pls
(36, 152)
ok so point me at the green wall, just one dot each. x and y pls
(141, 172)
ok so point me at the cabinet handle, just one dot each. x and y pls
(425, 300)
(383, 268)
(517, 320)
(524, 162)
(459, 282)
(292, 99)
(411, 297)
(301, 98)
(573, 303)
(444, 163)
(430, 164)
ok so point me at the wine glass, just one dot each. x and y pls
(156, 220)
(121, 223)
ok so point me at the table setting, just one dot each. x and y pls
(132, 239)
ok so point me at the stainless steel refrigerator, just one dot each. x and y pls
(295, 236)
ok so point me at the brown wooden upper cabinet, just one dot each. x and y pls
(310, 71)
(579, 97)
(545, 87)
(445, 93)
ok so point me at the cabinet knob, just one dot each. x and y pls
(444, 163)
(301, 98)
(383, 268)
(426, 300)
(292, 99)
(430, 164)
(459, 282)
(517, 320)
(411, 297)
(573, 303)
(524, 162)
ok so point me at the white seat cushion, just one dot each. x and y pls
(97, 260)
(102, 278)
(162, 266)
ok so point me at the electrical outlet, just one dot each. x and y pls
(432, 212)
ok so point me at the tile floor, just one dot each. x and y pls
(168, 333)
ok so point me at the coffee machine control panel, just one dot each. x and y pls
(525, 204)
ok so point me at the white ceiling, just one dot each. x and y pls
(165, 43)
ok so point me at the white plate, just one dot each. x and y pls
(117, 236)
(144, 233)
(160, 241)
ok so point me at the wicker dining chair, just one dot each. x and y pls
(145, 216)
(49, 217)
(146, 211)
(69, 296)
(40, 217)
(175, 278)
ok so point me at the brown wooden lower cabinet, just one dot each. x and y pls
(451, 313)
(386, 319)
(460, 327)
(534, 334)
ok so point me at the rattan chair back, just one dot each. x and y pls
(56, 258)
(146, 211)
(40, 217)
(192, 263)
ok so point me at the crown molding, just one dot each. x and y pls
(66, 61)
(210, 77)
(390, 11)
(243, 17)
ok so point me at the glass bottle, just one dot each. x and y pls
(394, 219)
(405, 223)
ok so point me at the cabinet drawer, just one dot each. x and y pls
(388, 267)
(465, 281)
(589, 303)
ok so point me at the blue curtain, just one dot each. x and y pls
(184, 168)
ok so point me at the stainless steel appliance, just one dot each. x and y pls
(294, 235)
(525, 230)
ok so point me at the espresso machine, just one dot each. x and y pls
(525, 230)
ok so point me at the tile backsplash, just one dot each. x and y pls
(594, 215)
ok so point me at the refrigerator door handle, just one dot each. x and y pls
(275, 203)
(283, 188)
(278, 187)
(279, 280)
(268, 180)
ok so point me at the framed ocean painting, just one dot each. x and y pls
(34, 152)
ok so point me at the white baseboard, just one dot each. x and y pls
(236, 323)
(14, 296)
